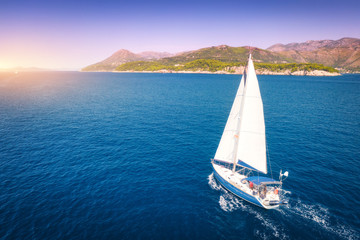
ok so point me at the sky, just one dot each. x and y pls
(70, 34)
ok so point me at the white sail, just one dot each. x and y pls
(251, 149)
(243, 140)
(228, 144)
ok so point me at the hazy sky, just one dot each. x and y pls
(73, 34)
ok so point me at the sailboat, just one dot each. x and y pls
(241, 155)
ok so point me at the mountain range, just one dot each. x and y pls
(124, 56)
(342, 54)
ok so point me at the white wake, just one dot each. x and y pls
(321, 216)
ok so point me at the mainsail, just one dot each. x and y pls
(227, 148)
(243, 141)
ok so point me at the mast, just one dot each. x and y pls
(239, 118)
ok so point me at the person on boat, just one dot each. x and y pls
(251, 185)
(264, 192)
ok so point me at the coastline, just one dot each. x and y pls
(258, 72)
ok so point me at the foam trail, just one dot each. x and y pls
(321, 216)
(212, 182)
(229, 202)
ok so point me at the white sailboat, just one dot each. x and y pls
(241, 154)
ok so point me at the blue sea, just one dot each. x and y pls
(127, 156)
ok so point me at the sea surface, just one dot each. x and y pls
(127, 156)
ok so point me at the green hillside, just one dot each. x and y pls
(293, 67)
(216, 65)
(200, 64)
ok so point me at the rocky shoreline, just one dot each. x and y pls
(300, 73)
(258, 72)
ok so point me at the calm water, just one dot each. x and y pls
(127, 156)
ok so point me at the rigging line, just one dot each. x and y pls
(267, 152)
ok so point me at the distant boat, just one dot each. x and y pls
(241, 154)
